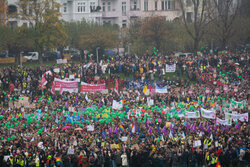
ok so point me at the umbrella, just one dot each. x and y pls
(13, 129)
(66, 127)
(78, 129)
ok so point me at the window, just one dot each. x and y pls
(134, 5)
(162, 5)
(24, 8)
(123, 8)
(188, 3)
(124, 23)
(103, 6)
(166, 5)
(189, 16)
(145, 5)
(109, 6)
(30, 10)
(155, 5)
(81, 7)
(64, 7)
(169, 5)
(92, 6)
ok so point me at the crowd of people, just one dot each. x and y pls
(201, 120)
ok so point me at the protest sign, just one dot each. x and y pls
(90, 128)
(71, 151)
(170, 68)
(117, 105)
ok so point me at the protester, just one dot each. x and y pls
(198, 117)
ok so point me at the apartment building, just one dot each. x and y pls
(121, 12)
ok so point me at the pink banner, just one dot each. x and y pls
(217, 90)
(190, 91)
(207, 90)
(92, 87)
(236, 89)
(69, 86)
(225, 88)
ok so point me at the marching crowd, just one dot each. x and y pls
(202, 119)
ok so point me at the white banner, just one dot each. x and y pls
(224, 122)
(210, 114)
(90, 127)
(117, 105)
(235, 117)
(161, 90)
(170, 68)
(150, 101)
(192, 114)
(61, 61)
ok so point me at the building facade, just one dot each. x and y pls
(120, 12)
(123, 12)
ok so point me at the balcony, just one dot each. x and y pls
(110, 14)
(135, 13)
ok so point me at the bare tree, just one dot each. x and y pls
(197, 27)
(224, 14)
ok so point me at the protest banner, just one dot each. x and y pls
(69, 86)
(61, 61)
(224, 122)
(85, 87)
(192, 114)
(210, 114)
(161, 90)
(236, 117)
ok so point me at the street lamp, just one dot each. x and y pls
(129, 48)
(97, 53)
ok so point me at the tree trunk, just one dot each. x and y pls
(196, 44)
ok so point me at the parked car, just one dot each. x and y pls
(32, 56)
(49, 56)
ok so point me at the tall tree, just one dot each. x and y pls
(197, 28)
(44, 17)
(153, 30)
(99, 36)
(224, 14)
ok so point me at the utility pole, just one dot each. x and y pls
(97, 54)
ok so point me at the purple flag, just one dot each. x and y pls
(110, 131)
(164, 130)
(238, 126)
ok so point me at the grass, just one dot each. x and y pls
(122, 75)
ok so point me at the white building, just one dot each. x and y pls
(77, 10)
(121, 12)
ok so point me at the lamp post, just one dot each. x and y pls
(129, 48)
(97, 54)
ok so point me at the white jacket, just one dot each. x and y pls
(124, 159)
